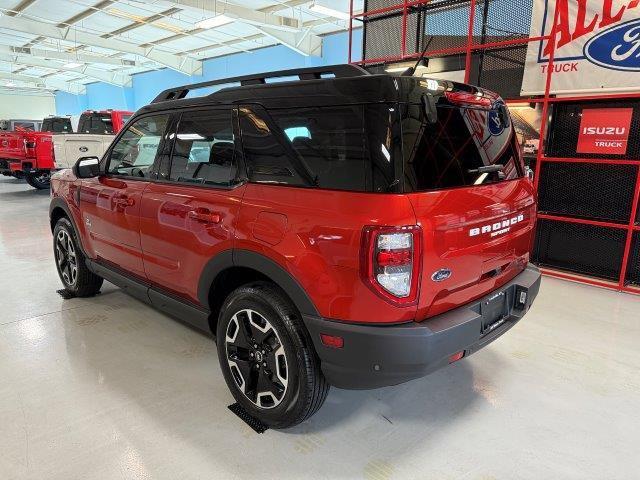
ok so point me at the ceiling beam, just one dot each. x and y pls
(304, 43)
(20, 7)
(179, 63)
(286, 30)
(72, 57)
(114, 78)
(241, 14)
(49, 84)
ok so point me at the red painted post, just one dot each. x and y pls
(631, 229)
(467, 66)
(403, 39)
(350, 31)
(545, 103)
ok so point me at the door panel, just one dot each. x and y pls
(110, 204)
(111, 211)
(181, 229)
(188, 217)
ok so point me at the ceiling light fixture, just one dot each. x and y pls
(324, 8)
(214, 22)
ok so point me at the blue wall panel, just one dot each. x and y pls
(147, 85)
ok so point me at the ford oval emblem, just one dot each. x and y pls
(617, 48)
(84, 149)
(496, 125)
(441, 275)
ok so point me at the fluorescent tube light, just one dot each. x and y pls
(72, 65)
(214, 22)
(323, 8)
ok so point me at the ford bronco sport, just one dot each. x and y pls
(341, 229)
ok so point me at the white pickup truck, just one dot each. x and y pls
(96, 131)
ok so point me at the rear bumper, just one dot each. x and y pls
(8, 167)
(378, 356)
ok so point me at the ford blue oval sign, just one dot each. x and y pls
(617, 48)
(441, 275)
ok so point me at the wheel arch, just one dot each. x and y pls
(233, 268)
(58, 209)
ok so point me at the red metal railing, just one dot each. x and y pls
(468, 50)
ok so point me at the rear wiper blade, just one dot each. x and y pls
(487, 169)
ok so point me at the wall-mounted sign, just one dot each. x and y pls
(604, 130)
(598, 46)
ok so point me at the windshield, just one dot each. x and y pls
(464, 147)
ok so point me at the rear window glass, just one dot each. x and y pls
(346, 147)
(57, 125)
(449, 153)
(96, 123)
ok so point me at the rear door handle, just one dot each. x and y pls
(123, 201)
(204, 215)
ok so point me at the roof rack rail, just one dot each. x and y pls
(311, 73)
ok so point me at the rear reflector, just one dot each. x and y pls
(456, 356)
(331, 341)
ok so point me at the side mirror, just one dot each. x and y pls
(87, 167)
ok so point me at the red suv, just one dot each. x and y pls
(342, 229)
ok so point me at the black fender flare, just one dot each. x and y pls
(249, 259)
(58, 202)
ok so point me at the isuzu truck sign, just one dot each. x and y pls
(604, 130)
(597, 46)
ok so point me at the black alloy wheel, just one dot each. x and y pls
(66, 258)
(256, 358)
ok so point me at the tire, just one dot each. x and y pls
(18, 175)
(40, 180)
(287, 386)
(77, 279)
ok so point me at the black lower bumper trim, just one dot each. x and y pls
(378, 356)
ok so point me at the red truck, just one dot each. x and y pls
(31, 154)
(344, 229)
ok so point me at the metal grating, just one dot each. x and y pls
(446, 25)
(580, 248)
(633, 267)
(587, 190)
(565, 127)
(502, 69)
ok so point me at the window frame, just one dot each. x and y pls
(106, 160)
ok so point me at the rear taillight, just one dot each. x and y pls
(478, 99)
(391, 259)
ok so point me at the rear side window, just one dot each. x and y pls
(447, 154)
(204, 148)
(95, 123)
(268, 157)
(343, 147)
(57, 125)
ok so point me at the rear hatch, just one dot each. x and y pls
(466, 181)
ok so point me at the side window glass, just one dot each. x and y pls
(134, 153)
(204, 148)
(267, 158)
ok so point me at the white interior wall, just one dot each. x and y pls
(26, 106)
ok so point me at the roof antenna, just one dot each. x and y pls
(422, 60)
